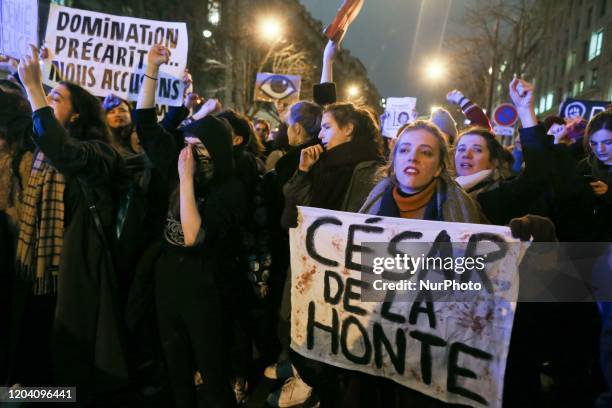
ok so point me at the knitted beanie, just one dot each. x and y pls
(445, 122)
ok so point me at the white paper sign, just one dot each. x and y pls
(397, 114)
(18, 27)
(452, 351)
(107, 54)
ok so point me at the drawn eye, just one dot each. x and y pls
(278, 87)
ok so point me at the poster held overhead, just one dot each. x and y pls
(18, 27)
(106, 54)
(277, 88)
(347, 13)
(397, 114)
(571, 108)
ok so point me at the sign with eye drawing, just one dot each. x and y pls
(277, 87)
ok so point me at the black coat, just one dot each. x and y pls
(524, 194)
(86, 334)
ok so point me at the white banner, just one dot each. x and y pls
(108, 54)
(18, 27)
(452, 351)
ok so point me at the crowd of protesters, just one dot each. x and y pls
(154, 256)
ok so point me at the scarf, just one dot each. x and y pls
(467, 182)
(41, 235)
(413, 205)
(331, 175)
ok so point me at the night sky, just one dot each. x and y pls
(386, 39)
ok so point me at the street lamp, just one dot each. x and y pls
(435, 70)
(353, 91)
(270, 28)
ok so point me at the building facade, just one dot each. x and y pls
(575, 58)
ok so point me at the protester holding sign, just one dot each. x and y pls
(303, 124)
(196, 248)
(418, 184)
(63, 253)
(418, 187)
(336, 176)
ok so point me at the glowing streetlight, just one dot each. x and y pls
(353, 91)
(435, 70)
(270, 28)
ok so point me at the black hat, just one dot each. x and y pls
(216, 135)
(241, 125)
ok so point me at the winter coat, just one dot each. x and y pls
(501, 201)
(298, 190)
(86, 336)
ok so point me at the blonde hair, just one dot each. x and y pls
(432, 129)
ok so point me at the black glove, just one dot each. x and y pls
(540, 228)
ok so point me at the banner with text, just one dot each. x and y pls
(452, 351)
(18, 27)
(108, 54)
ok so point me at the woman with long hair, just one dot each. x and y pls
(62, 253)
(337, 175)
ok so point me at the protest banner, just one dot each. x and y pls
(397, 114)
(277, 87)
(452, 351)
(18, 27)
(578, 107)
(347, 13)
(107, 54)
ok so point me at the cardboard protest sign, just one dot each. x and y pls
(397, 114)
(577, 107)
(108, 54)
(449, 350)
(277, 87)
(18, 27)
(347, 13)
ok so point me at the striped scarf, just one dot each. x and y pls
(41, 224)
